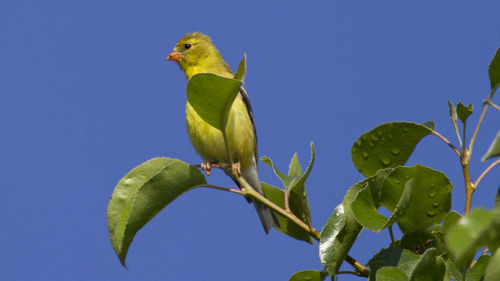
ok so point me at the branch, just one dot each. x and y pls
(248, 190)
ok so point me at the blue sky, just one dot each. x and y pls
(86, 96)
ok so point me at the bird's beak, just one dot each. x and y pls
(174, 56)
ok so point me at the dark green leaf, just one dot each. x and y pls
(277, 196)
(421, 240)
(430, 200)
(477, 271)
(365, 208)
(386, 146)
(342, 228)
(403, 259)
(429, 267)
(212, 96)
(242, 68)
(493, 270)
(391, 273)
(494, 70)
(144, 192)
(497, 198)
(463, 112)
(453, 272)
(308, 275)
(494, 150)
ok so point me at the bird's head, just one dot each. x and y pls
(194, 50)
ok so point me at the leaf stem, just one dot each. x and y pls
(447, 142)
(223, 188)
(248, 190)
(391, 234)
(486, 103)
(485, 172)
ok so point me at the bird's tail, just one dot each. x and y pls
(266, 215)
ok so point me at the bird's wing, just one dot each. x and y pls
(246, 101)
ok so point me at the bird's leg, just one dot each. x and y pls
(237, 169)
(206, 166)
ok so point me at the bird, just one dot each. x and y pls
(195, 53)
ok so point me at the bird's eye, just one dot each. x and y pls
(187, 46)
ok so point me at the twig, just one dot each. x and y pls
(474, 186)
(248, 190)
(447, 142)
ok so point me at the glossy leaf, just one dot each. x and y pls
(342, 228)
(277, 196)
(494, 70)
(144, 192)
(308, 275)
(242, 68)
(463, 112)
(478, 229)
(430, 267)
(212, 96)
(402, 259)
(430, 200)
(494, 150)
(423, 239)
(391, 273)
(365, 208)
(386, 146)
(493, 270)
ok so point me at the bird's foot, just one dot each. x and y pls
(206, 166)
(237, 169)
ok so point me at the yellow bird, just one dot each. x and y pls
(195, 53)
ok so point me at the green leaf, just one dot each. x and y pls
(423, 239)
(391, 273)
(453, 272)
(288, 227)
(342, 228)
(294, 182)
(494, 70)
(212, 96)
(494, 150)
(454, 118)
(365, 208)
(463, 112)
(450, 220)
(453, 114)
(308, 275)
(144, 192)
(429, 267)
(242, 68)
(479, 268)
(493, 270)
(403, 259)
(478, 229)
(430, 200)
(386, 146)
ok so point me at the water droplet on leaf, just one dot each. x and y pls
(374, 137)
(431, 213)
(432, 194)
(395, 150)
(386, 161)
(365, 154)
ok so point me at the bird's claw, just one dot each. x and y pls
(206, 166)
(237, 169)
